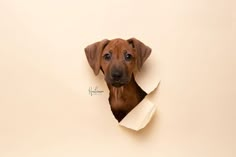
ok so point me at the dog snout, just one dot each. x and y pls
(116, 75)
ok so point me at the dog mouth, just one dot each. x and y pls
(117, 84)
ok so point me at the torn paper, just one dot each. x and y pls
(148, 79)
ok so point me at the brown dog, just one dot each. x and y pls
(119, 59)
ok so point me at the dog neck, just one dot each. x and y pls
(125, 98)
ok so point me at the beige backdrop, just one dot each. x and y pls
(45, 107)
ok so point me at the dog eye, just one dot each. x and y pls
(128, 56)
(107, 56)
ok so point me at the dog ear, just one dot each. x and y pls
(143, 51)
(93, 53)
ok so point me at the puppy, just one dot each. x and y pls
(119, 60)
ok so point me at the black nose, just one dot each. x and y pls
(116, 75)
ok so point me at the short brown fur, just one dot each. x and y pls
(119, 59)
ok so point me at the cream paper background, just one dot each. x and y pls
(45, 108)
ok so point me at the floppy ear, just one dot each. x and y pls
(142, 50)
(93, 53)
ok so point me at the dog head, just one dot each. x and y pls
(117, 58)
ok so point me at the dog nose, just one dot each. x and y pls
(116, 75)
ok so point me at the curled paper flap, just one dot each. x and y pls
(140, 116)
